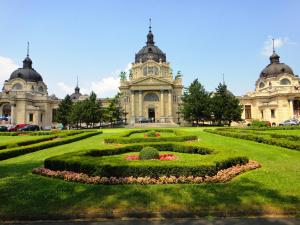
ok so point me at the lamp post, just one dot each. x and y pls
(178, 109)
(125, 112)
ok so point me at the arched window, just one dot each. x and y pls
(285, 81)
(150, 70)
(41, 89)
(151, 97)
(261, 85)
(17, 87)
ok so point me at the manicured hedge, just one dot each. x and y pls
(73, 162)
(172, 147)
(142, 170)
(41, 133)
(128, 140)
(27, 142)
(13, 152)
(266, 138)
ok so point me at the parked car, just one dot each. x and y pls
(17, 127)
(4, 118)
(3, 128)
(30, 128)
(291, 122)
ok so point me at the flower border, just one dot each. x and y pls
(221, 177)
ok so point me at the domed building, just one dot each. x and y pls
(150, 94)
(277, 94)
(24, 98)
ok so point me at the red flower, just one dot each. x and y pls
(132, 157)
(167, 157)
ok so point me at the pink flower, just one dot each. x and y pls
(132, 157)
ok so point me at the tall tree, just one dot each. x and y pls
(196, 103)
(114, 110)
(64, 111)
(225, 106)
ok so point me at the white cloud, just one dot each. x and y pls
(107, 86)
(7, 66)
(278, 43)
(67, 89)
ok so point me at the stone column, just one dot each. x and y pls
(291, 103)
(132, 117)
(170, 103)
(140, 104)
(12, 113)
(162, 112)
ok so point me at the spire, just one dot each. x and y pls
(77, 89)
(274, 58)
(150, 36)
(27, 62)
(27, 48)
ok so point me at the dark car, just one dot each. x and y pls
(30, 128)
(3, 128)
(17, 127)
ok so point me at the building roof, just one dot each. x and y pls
(26, 73)
(150, 51)
(275, 67)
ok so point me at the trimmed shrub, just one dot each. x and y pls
(12, 145)
(149, 153)
(266, 139)
(13, 152)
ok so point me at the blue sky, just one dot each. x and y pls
(95, 40)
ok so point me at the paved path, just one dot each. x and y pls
(228, 221)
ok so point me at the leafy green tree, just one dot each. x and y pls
(225, 106)
(196, 103)
(114, 111)
(64, 111)
(77, 113)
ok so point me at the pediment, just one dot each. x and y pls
(153, 81)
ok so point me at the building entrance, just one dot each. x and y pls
(151, 114)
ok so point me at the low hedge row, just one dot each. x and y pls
(41, 133)
(172, 147)
(13, 152)
(71, 162)
(266, 139)
(257, 132)
(127, 140)
(26, 142)
(127, 134)
(142, 170)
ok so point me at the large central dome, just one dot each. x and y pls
(275, 67)
(26, 73)
(150, 51)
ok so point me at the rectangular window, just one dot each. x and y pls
(262, 114)
(248, 112)
(41, 118)
(54, 112)
(272, 113)
(30, 117)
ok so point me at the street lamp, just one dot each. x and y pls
(125, 113)
(178, 109)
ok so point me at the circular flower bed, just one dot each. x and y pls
(152, 133)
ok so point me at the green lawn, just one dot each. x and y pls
(14, 139)
(272, 189)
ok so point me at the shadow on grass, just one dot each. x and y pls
(27, 196)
